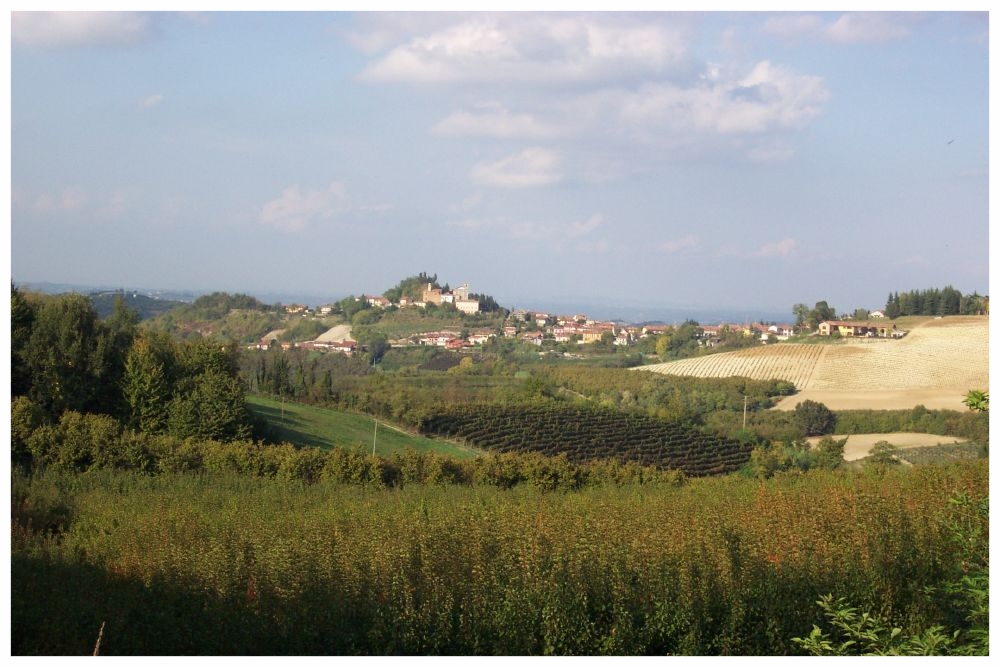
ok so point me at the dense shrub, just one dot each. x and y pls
(220, 564)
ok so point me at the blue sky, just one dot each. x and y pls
(683, 160)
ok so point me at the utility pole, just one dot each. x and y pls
(375, 439)
(744, 412)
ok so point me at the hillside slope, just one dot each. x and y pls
(934, 365)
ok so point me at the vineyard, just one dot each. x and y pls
(792, 362)
(934, 365)
(583, 434)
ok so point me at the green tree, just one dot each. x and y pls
(801, 313)
(214, 409)
(829, 453)
(977, 400)
(66, 357)
(22, 317)
(814, 418)
(882, 453)
(821, 313)
(146, 387)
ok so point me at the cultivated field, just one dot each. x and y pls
(934, 365)
(858, 446)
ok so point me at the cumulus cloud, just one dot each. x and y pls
(783, 248)
(494, 121)
(765, 98)
(532, 167)
(850, 28)
(868, 27)
(542, 49)
(296, 208)
(687, 242)
(57, 29)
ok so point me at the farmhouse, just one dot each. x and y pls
(378, 301)
(859, 329)
(438, 338)
(534, 337)
(480, 336)
(269, 339)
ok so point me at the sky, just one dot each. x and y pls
(741, 160)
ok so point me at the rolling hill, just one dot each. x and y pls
(934, 365)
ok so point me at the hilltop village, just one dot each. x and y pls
(540, 328)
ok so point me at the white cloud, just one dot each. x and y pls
(764, 99)
(69, 199)
(783, 248)
(867, 27)
(532, 167)
(688, 242)
(527, 230)
(494, 121)
(584, 227)
(593, 247)
(295, 208)
(530, 48)
(150, 101)
(849, 28)
(795, 25)
(56, 29)
(469, 203)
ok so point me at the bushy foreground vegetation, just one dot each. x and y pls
(237, 564)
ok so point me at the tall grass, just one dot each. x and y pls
(232, 564)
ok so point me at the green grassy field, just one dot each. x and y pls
(324, 428)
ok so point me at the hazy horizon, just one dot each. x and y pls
(725, 160)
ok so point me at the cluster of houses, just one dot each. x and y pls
(536, 327)
(459, 297)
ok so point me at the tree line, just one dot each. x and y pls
(64, 359)
(938, 302)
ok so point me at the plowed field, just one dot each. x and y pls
(934, 365)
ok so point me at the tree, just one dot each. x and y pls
(814, 418)
(67, 358)
(801, 312)
(882, 453)
(22, 317)
(146, 387)
(821, 313)
(977, 400)
(829, 453)
(213, 410)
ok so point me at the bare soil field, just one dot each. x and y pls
(934, 365)
(858, 446)
(335, 334)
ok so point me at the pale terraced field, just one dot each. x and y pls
(934, 365)
(793, 362)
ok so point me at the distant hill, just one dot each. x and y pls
(146, 306)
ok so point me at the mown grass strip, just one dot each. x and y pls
(313, 426)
